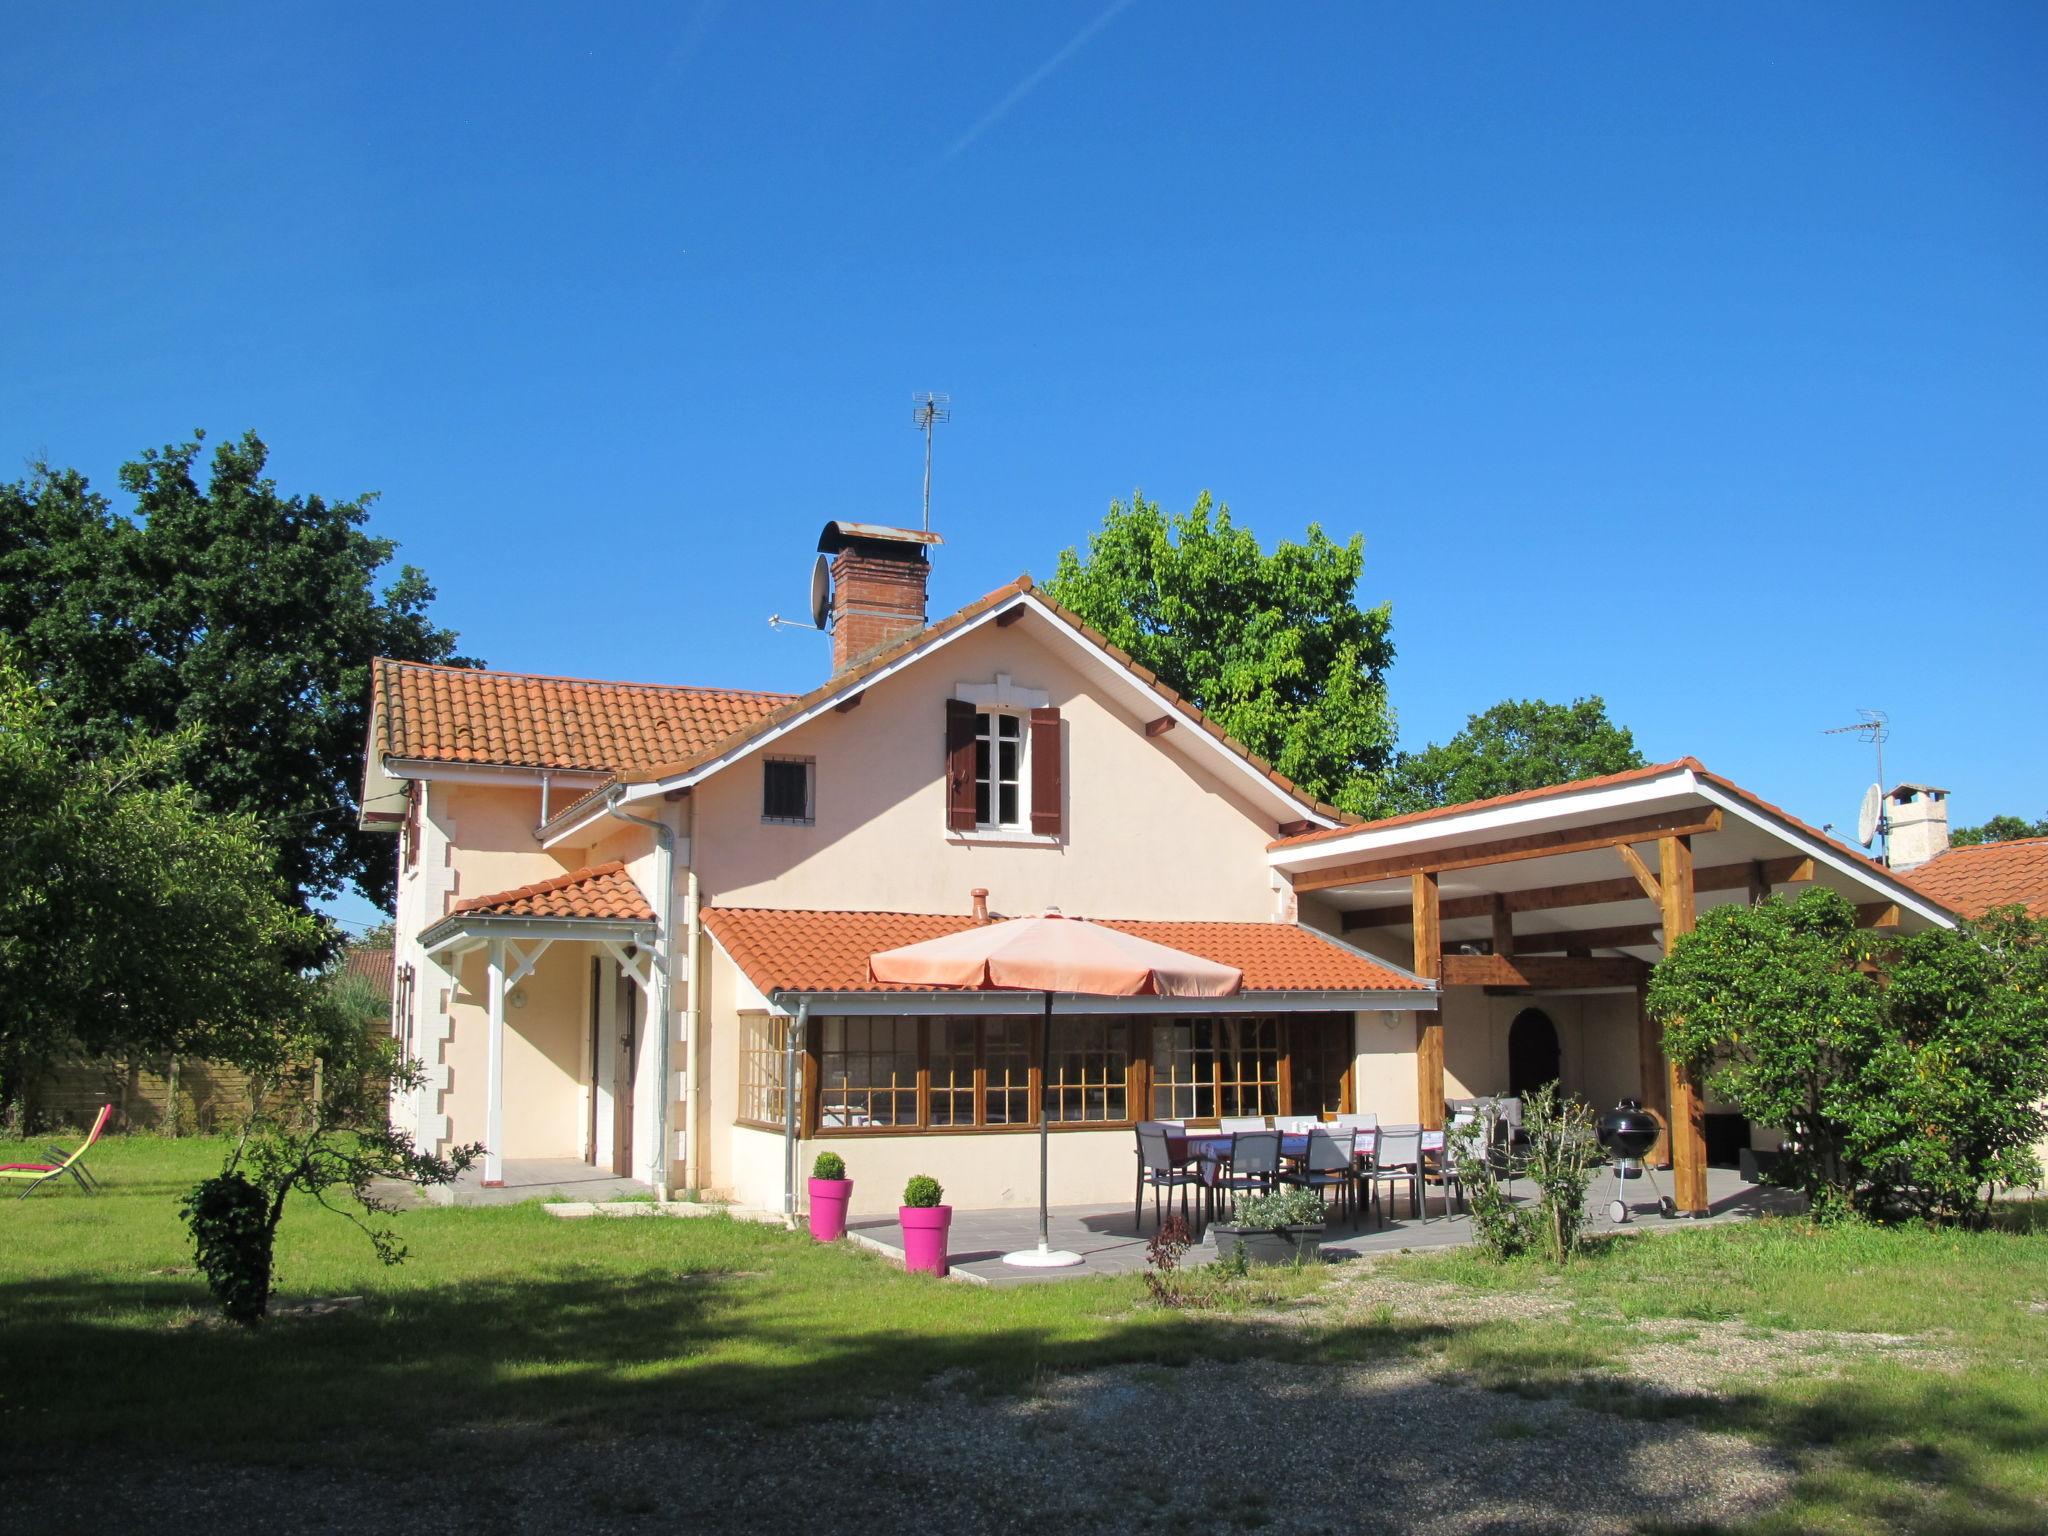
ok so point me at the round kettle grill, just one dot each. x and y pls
(1627, 1132)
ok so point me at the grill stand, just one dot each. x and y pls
(1618, 1209)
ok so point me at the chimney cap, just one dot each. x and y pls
(838, 535)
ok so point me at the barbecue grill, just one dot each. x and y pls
(1627, 1132)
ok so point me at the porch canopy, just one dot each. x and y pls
(599, 905)
(1580, 888)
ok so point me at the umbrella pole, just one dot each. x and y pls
(1044, 1256)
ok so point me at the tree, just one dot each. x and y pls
(131, 918)
(242, 620)
(321, 1132)
(1906, 1071)
(1273, 647)
(1516, 745)
(1999, 829)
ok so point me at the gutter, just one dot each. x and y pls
(665, 847)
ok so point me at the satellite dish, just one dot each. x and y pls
(821, 595)
(1866, 818)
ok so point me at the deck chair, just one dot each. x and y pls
(39, 1174)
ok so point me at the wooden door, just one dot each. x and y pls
(596, 1054)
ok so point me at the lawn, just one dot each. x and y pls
(1895, 1376)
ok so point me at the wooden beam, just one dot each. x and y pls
(1588, 893)
(1503, 928)
(1878, 914)
(1541, 972)
(1688, 1106)
(848, 705)
(1429, 1027)
(1640, 871)
(1626, 937)
(1759, 882)
(1510, 850)
(1160, 726)
(1295, 828)
(1009, 616)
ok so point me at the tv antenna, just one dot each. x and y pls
(1874, 729)
(928, 410)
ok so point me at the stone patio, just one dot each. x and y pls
(1110, 1244)
(539, 1178)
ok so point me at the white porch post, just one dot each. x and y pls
(494, 1074)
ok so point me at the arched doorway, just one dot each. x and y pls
(1532, 1052)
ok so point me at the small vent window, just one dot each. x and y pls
(786, 790)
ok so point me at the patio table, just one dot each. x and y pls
(1212, 1145)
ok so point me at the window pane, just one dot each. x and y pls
(1090, 1070)
(1007, 804)
(1006, 1060)
(953, 1053)
(868, 1069)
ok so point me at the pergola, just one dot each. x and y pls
(1582, 888)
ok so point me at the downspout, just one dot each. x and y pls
(694, 1149)
(664, 882)
(791, 1035)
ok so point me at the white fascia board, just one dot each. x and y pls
(1821, 851)
(1153, 704)
(978, 1004)
(465, 931)
(489, 773)
(1483, 825)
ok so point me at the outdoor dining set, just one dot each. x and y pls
(1350, 1158)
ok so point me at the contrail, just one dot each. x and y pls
(1036, 78)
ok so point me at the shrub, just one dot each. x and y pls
(1907, 1071)
(231, 1236)
(1558, 1159)
(1284, 1208)
(1169, 1245)
(830, 1165)
(922, 1191)
(1504, 1229)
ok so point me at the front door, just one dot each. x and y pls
(1532, 1052)
(628, 1014)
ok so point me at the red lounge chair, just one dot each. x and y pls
(38, 1174)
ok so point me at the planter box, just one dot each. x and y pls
(828, 1208)
(924, 1237)
(1270, 1245)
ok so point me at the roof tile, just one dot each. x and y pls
(601, 891)
(811, 951)
(1973, 879)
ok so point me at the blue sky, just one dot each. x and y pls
(1690, 357)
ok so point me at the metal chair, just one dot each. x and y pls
(1243, 1122)
(1254, 1165)
(1398, 1160)
(1295, 1125)
(1328, 1165)
(1493, 1152)
(1158, 1169)
(1365, 1122)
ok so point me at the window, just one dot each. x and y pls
(786, 790)
(998, 770)
(868, 1071)
(1319, 1054)
(1091, 1070)
(1236, 1064)
(763, 1058)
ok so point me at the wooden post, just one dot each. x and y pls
(1429, 1034)
(171, 1097)
(1688, 1126)
(1650, 1059)
(1503, 927)
(494, 1073)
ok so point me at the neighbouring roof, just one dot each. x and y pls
(602, 891)
(375, 964)
(515, 719)
(1971, 880)
(884, 656)
(811, 951)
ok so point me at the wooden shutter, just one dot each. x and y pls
(1045, 772)
(959, 765)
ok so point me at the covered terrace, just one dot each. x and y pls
(1573, 893)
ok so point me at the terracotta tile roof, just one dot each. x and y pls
(514, 719)
(603, 891)
(873, 661)
(375, 964)
(1974, 879)
(804, 951)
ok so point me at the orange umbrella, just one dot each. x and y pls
(1052, 954)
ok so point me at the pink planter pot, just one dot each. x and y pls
(924, 1237)
(828, 1208)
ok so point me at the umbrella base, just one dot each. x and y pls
(1042, 1257)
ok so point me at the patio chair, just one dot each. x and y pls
(1157, 1168)
(1243, 1122)
(39, 1174)
(1328, 1166)
(1254, 1165)
(1494, 1152)
(1295, 1125)
(1398, 1160)
(1365, 1122)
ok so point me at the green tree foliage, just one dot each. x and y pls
(1999, 829)
(1516, 745)
(322, 1133)
(1274, 647)
(1907, 1070)
(236, 617)
(131, 918)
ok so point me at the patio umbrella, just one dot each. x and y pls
(1051, 954)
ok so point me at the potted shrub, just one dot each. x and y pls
(830, 1191)
(1282, 1228)
(925, 1222)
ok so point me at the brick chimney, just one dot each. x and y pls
(878, 585)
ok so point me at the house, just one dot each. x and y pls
(630, 914)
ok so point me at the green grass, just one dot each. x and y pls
(506, 1325)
